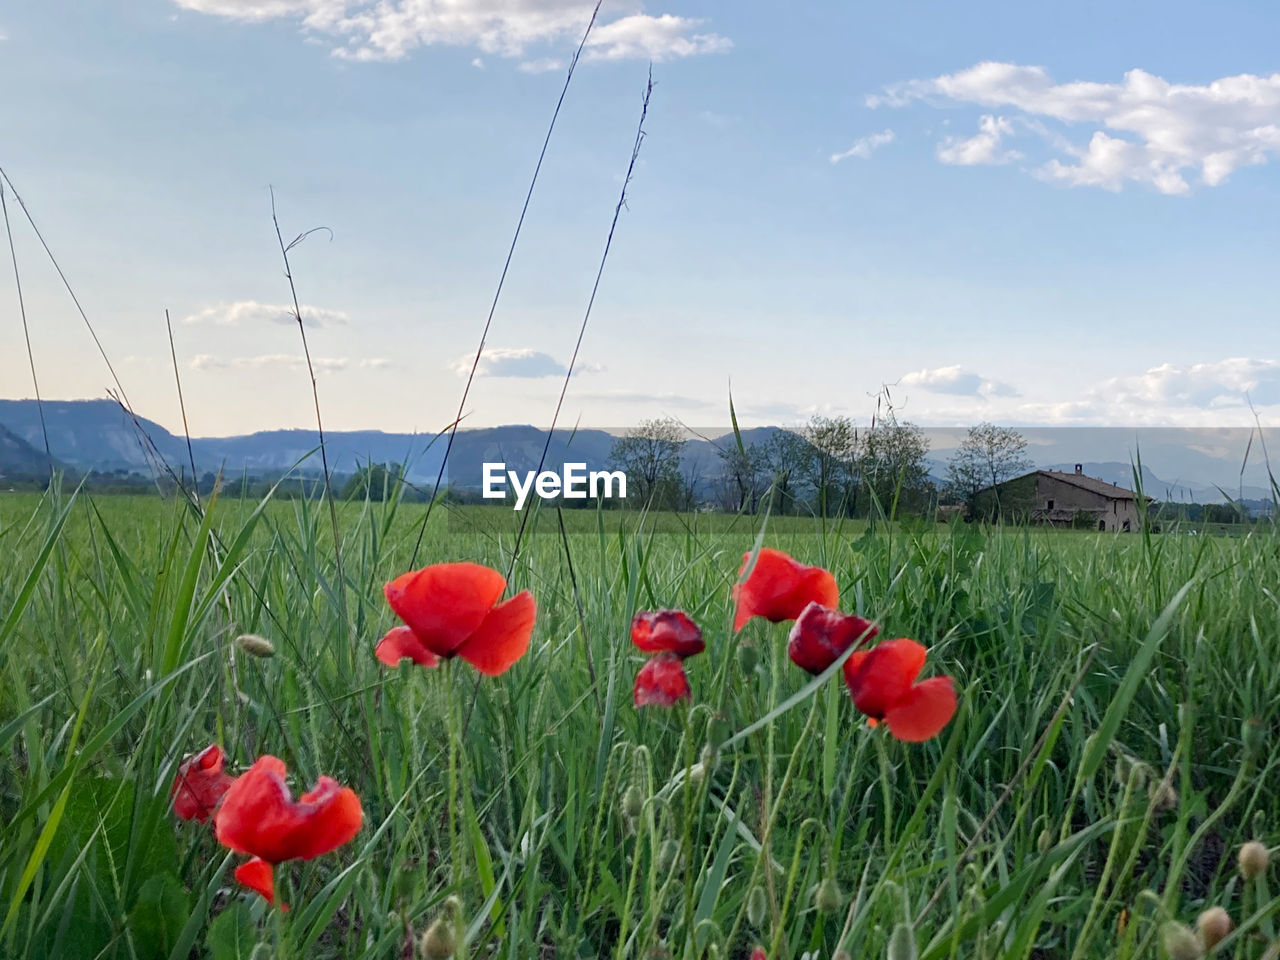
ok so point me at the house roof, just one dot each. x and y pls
(1093, 485)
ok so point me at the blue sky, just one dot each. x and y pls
(1038, 215)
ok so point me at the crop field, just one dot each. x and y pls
(1113, 748)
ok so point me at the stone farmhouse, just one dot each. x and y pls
(1068, 500)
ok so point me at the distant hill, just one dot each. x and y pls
(19, 459)
(97, 435)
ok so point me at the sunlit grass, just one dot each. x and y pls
(1092, 668)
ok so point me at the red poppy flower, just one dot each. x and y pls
(882, 681)
(259, 876)
(259, 816)
(200, 784)
(779, 588)
(661, 682)
(820, 635)
(666, 631)
(759, 954)
(450, 611)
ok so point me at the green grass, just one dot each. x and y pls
(1090, 666)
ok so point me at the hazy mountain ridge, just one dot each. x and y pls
(99, 435)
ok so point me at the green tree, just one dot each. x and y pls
(649, 454)
(892, 467)
(988, 456)
(373, 481)
(832, 444)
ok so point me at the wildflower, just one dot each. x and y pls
(759, 954)
(452, 609)
(200, 784)
(1213, 925)
(819, 636)
(259, 816)
(779, 588)
(666, 631)
(672, 636)
(1253, 860)
(661, 682)
(1179, 942)
(882, 681)
(255, 645)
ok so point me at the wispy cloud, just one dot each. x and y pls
(1145, 129)
(516, 362)
(865, 146)
(983, 147)
(249, 312)
(392, 29)
(207, 361)
(957, 381)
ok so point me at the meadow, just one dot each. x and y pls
(1114, 747)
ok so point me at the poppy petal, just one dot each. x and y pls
(200, 784)
(401, 643)
(820, 635)
(666, 631)
(259, 876)
(924, 711)
(779, 588)
(258, 816)
(444, 604)
(661, 682)
(503, 637)
(882, 678)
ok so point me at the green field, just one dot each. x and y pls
(1092, 669)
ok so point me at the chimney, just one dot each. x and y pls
(1079, 469)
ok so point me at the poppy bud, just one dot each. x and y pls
(902, 944)
(717, 732)
(1253, 860)
(756, 906)
(255, 645)
(759, 954)
(829, 896)
(1044, 842)
(632, 801)
(1213, 925)
(1162, 795)
(668, 855)
(441, 939)
(1179, 942)
(707, 759)
(748, 657)
(1253, 736)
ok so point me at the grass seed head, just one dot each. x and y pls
(1179, 942)
(1253, 860)
(1213, 925)
(255, 645)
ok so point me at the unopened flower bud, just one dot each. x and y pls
(828, 897)
(717, 732)
(748, 657)
(1253, 860)
(1044, 842)
(1254, 737)
(707, 758)
(1162, 795)
(255, 645)
(632, 801)
(668, 855)
(1213, 925)
(759, 954)
(441, 939)
(902, 943)
(757, 906)
(1179, 942)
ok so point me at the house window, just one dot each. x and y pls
(1050, 504)
(1115, 506)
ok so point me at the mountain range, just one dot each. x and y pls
(1191, 465)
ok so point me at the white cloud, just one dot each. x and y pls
(1145, 129)
(251, 311)
(865, 146)
(516, 362)
(1221, 383)
(391, 29)
(957, 381)
(206, 361)
(982, 148)
(541, 65)
(478, 63)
